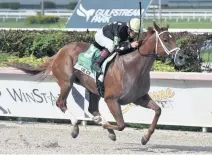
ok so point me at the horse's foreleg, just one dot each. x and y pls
(93, 107)
(147, 102)
(115, 110)
(98, 118)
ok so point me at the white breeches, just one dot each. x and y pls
(104, 41)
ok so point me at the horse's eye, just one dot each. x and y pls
(165, 40)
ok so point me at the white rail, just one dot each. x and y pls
(166, 13)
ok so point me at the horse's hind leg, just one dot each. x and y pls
(62, 69)
(61, 103)
(147, 102)
(94, 110)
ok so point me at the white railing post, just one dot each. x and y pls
(204, 129)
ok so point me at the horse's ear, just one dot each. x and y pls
(167, 26)
(157, 28)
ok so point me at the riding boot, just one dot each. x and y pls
(96, 65)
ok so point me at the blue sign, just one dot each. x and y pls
(97, 13)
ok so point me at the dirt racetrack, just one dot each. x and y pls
(56, 139)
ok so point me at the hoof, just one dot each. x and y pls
(75, 131)
(112, 137)
(144, 141)
(97, 119)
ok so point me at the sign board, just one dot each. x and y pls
(38, 100)
(97, 13)
(183, 102)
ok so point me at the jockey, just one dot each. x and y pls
(116, 36)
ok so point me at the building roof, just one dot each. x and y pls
(37, 2)
(181, 1)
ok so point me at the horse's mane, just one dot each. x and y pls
(145, 36)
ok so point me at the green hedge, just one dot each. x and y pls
(42, 19)
(47, 43)
(11, 5)
(41, 43)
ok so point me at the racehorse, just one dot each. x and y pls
(127, 79)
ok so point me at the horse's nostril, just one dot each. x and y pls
(180, 57)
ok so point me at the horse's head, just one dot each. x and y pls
(165, 44)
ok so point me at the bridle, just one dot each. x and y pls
(155, 53)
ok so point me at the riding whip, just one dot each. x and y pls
(140, 21)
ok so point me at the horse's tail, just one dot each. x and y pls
(44, 69)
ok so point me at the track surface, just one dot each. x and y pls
(55, 138)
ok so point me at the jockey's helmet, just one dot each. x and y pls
(134, 24)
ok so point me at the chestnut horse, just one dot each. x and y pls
(127, 79)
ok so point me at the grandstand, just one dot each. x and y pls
(182, 10)
(171, 4)
(197, 4)
(36, 4)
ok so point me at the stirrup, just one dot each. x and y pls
(99, 71)
(97, 68)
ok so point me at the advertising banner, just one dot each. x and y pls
(183, 102)
(97, 13)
